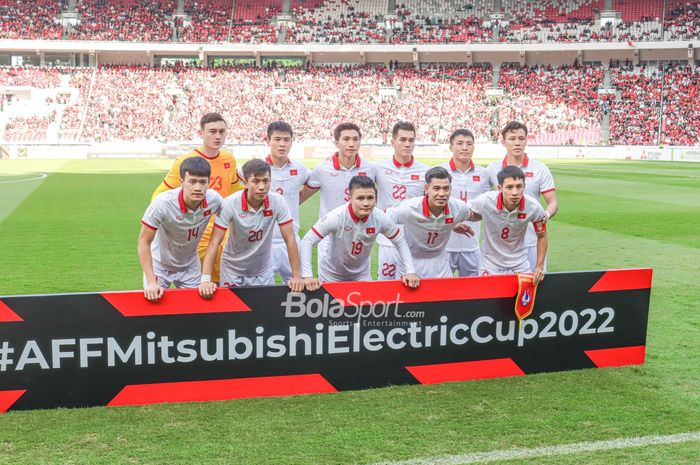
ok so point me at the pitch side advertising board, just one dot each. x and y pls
(116, 348)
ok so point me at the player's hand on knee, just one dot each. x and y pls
(311, 284)
(411, 280)
(537, 276)
(463, 229)
(153, 292)
(207, 289)
(296, 284)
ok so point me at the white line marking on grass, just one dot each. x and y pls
(564, 449)
(41, 176)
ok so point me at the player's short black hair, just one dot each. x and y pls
(402, 126)
(279, 126)
(210, 118)
(196, 166)
(437, 172)
(254, 166)
(345, 127)
(510, 172)
(362, 182)
(513, 126)
(460, 132)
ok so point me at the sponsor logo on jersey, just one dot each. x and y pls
(348, 228)
(334, 173)
(179, 218)
(242, 214)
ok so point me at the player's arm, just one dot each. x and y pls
(171, 181)
(236, 184)
(296, 284)
(311, 238)
(207, 288)
(463, 214)
(306, 192)
(152, 291)
(476, 207)
(542, 243)
(550, 198)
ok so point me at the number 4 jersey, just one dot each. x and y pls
(179, 229)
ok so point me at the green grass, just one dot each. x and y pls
(76, 231)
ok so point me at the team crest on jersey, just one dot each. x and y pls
(227, 165)
(362, 173)
(476, 178)
(522, 216)
(370, 230)
(293, 172)
(529, 174)
(449, 220)
(267, 213)
(207, 213)
(415, 177)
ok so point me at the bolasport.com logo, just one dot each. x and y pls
(352, 310)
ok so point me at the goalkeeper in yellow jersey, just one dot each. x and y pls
(224, 177)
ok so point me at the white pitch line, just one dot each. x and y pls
(564, 449)
(41, 176)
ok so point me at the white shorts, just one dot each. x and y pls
(487, 269)
(390, 266)
(188, 278)
(465, 263)
(229, 279)
(435, 267)
(327, 279)
(532, 257)
(280, 261)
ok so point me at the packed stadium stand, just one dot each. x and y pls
(20, 19)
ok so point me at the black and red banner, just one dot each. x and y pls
(79, 350)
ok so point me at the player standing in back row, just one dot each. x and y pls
(398, 179)
(538, 179)
(468, 182)
(288, 178)
(224, 177)
(333, 176)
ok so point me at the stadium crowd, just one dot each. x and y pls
(559, 104)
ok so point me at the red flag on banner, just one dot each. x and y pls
(525, 300)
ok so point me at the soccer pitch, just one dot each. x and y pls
(71, 226)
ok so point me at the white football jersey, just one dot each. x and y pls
(178, 229)
(287, 181)
(467, 185)
(426, 234)
(396, 183)
(504, 231)
(350, 243)
(248, 250)
(333, 179)
(538, 180)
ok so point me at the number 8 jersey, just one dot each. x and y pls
(504, 231)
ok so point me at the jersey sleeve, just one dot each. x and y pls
(314, 180)
(461, 211)
(223, 219)
(327, 225)
(477, 204)
(547, 181)
(305, 173)
(538, 218)
(387, 225)
(284, 216)
(153, 216)
(398, 213)
(172, 179)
